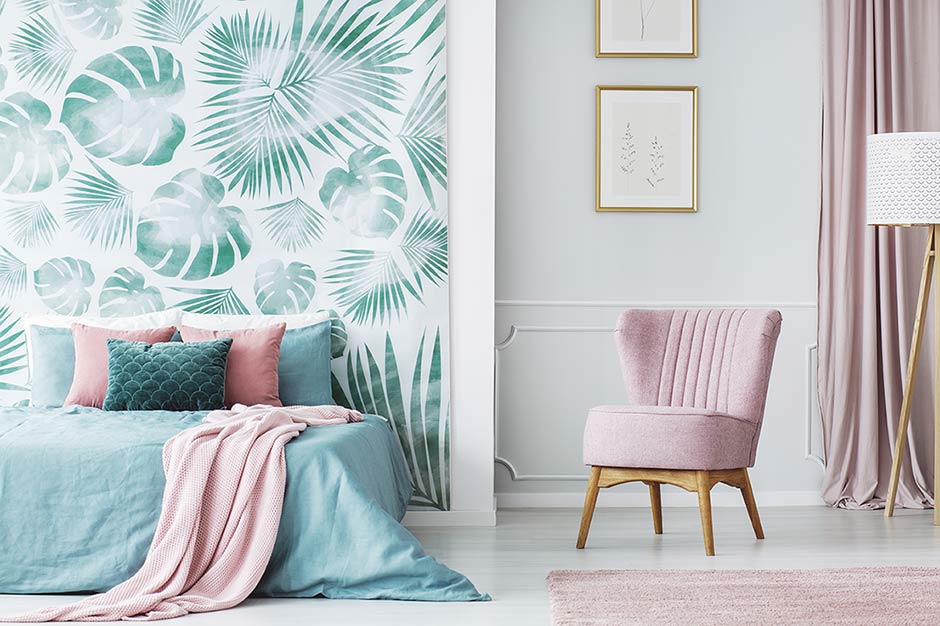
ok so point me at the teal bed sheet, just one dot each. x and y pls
(80, 494)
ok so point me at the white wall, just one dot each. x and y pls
(564, 271)
(471, 77)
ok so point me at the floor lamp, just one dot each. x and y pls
(903, 189)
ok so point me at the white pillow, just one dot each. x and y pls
(159, 319)
(235, 322)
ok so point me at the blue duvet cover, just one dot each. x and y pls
(80, 493)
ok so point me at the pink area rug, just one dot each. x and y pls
(877, 595)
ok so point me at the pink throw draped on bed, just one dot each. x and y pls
(221, 511)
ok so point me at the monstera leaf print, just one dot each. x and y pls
(368, 198)
(283, 88)
(185, 233)
(280, 290)
(118, 108)
(126, 293)
(62, 285)
(32, 157)
(100, 19)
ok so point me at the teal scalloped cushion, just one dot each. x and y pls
(169, 376)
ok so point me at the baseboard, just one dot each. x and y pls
(671, 498)
(417, 519)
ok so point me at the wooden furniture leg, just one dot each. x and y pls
(656, 503)
(590, 499)
(705, 510)
(751, 505)
(916, 341)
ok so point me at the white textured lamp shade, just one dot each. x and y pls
(903, 182)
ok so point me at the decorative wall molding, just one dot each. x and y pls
(515, 330)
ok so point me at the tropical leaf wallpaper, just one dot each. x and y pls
(237, 156)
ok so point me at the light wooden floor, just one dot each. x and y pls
(511, 561)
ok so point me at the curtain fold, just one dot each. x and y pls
(881, 73)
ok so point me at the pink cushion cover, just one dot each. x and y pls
(668, 438)
(251, 373)
(90, 383)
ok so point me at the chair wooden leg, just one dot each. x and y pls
(751, 505)
(705, 510)
(590, 499)
(656, 503)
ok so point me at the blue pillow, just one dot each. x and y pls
(168, 376)
(52, 365)
(303, 371)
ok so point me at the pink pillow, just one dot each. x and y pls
(90, 383)
(251, 372)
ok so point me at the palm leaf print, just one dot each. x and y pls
(372, 286)
(31, 224)
(421, 425)
(214, 301)
(293, 225)
(423, 135)
(41, 52)
(169, 20)
(12, 274)
(280, 94)
(425, 248)
(12, 349)
(421, 8)
(32, 6)
(100, 208)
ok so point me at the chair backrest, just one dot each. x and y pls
(716, 359)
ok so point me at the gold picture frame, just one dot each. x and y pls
(686, 183)
(679, 54)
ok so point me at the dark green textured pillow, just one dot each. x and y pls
(166, 376)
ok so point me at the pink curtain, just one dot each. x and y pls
(881, 73)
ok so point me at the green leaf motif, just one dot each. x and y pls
(293, 225)
(423, 136)
(169, 20)
(421, 8)
(184, 233)
(12, 349)
(119, 107)
(31, 224)
(100, 208)
(12, 275)
(125, 293)
(62, 285)
(284, 291)
(33, 158)
(212, 301)
(41, 53)
(283, 91)
(368, 198)
(372, 287)
(3, 77)
(99, 19)
(422, 426)
(425, 248)
(338, 335)
(32, 6)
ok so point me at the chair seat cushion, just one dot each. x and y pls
(664, 437)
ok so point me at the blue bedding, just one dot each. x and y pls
(80, 493)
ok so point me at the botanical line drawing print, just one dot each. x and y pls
(628, 151)
(644, 14)
(657, 161)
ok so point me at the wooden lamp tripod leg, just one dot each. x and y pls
(916, 340)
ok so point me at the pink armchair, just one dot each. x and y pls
(698, 380)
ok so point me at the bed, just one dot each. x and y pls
(80, 494)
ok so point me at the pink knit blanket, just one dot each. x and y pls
(221, 511)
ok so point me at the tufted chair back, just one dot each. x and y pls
(716, 359)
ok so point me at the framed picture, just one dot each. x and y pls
(646, 28)
(647, 149)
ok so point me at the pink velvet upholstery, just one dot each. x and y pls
(699, 383)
